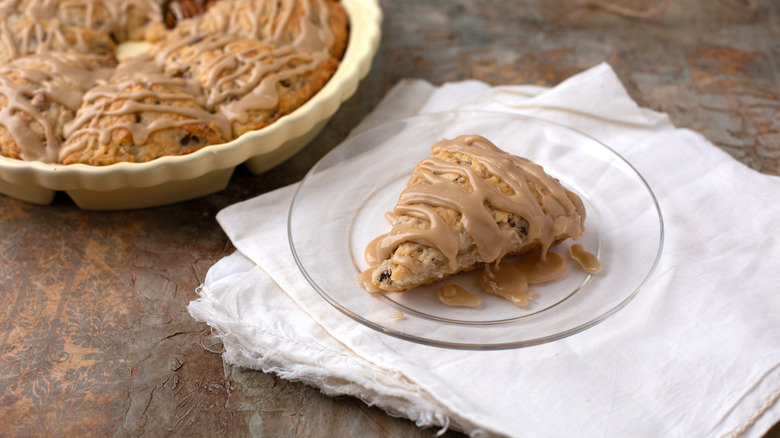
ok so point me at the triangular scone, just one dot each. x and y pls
(468, 205)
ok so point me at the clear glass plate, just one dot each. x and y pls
(339, 208)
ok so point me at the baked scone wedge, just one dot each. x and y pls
(38, 95)
(253, 83)
(308, 25)
(21, 35)
(123, 20)
(138, 115)
(468, 205)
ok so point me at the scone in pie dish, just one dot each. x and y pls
(212, 132)
(597, 200)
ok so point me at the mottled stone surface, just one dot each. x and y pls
(95, 339)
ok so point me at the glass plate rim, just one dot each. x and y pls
(482, 346)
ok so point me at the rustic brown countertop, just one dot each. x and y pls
(95, 338)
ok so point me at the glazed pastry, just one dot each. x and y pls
(22, 35)
(123, 20)
(199, 88)
(468, 205)
(139, 115)
(38, 95)
(253, 83)
(310, 25)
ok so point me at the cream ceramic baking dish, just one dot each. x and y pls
(177, 178)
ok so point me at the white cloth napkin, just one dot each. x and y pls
(696, 353)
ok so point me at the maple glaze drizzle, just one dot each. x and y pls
(114, 16)
(540, 269)
(143, 93)
(56, 77)
(506, 281)
(587, 261)
(456, 296)
(511, 281)
(365, 280)
(237, 75)
(251, 19)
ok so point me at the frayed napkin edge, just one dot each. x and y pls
(415, 409)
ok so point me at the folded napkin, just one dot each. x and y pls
(696, 353)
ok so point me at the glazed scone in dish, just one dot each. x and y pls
(253, 83)
(226, 68)
(123, 20)
(310, 25)
(38, 95)
(140, 115)
(468, 205)
(22, 35)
